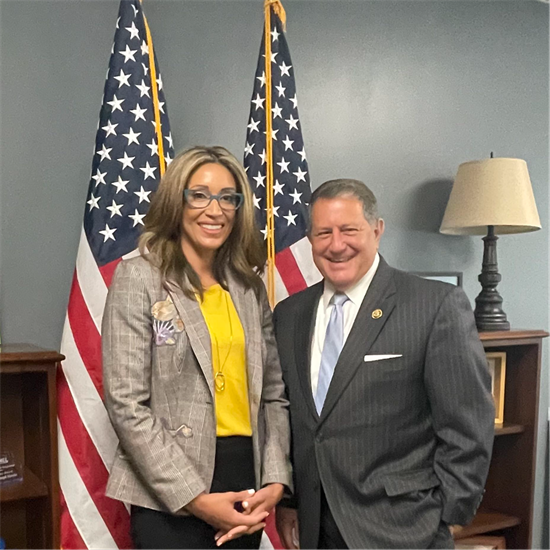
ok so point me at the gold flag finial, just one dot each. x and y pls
(278, 9)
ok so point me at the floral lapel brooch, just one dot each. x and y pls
(166, 322)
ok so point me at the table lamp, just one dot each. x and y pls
(492, 196)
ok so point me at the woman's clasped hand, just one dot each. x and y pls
(256, 507)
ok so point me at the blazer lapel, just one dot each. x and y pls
(305, 324)
(196, 329)
(246, 304)
(365, 330)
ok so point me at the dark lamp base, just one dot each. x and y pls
(485, 324)
(488, 313)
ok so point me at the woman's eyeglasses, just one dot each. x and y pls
(200, 199)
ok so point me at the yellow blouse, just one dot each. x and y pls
(229, 362)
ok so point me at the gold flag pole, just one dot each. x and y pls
(280, 12)
(153, 69)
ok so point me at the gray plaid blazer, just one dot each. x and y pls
(159, 390)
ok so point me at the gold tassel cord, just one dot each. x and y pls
(278, 9)
(152, 69)
(269, 157)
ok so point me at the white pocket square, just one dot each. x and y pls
(369, 358)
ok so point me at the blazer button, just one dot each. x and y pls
(185, 430)
(319, 438)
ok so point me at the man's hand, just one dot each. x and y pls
(455, 529)
(218, 510)
(286, 520)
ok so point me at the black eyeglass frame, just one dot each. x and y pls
(240, 196)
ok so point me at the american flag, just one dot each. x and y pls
(126, 169)
(295, 269)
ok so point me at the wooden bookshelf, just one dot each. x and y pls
(507, 507)
(29, 509)
(486, 522)
(507, 429)
(30, 487)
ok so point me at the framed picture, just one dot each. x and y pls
(497, 368)
(452, 277)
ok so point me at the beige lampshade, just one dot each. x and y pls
(494, 191)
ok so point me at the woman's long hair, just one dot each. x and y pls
(242, 253)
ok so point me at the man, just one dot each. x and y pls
(390, 401)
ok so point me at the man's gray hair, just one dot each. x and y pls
(344, 187)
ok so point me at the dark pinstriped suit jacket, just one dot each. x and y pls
(402, 446)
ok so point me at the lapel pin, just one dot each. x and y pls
(377, 313)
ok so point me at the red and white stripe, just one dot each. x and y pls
(87, 441)
(295, 269)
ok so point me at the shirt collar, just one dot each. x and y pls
(358, 291)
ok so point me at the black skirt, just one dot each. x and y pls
(233, 471)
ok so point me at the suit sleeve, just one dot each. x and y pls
(276, 467)
(126, 339)
(459, 390)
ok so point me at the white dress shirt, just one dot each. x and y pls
(356, 294)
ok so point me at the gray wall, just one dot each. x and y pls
(395, 93)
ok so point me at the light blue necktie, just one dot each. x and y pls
(334, 342)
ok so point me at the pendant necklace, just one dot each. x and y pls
(219, 377)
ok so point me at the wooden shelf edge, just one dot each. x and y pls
(512, 334)
(30, 487)
(486, 522)
(28, 353)
(507, 429)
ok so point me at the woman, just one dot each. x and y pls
(192, 378)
